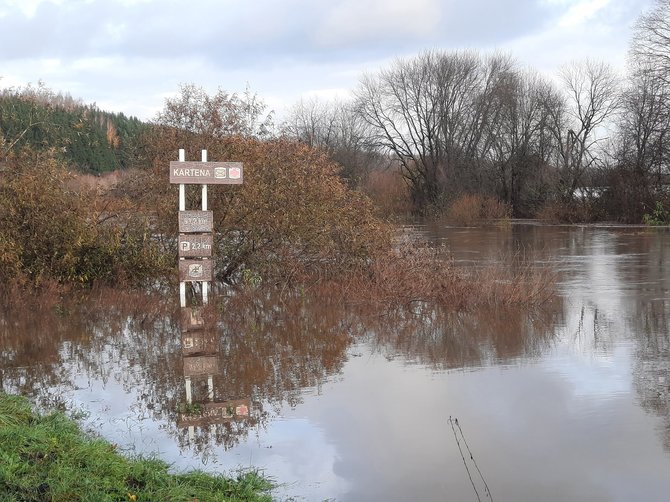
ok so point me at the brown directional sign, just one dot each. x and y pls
(196, 221)
(200, 365)
(195, 246)
(199, 343)
(217, 413)
(206, 173)
(195, 270)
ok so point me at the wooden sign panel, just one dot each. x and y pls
(200, 365)
(195, 221)
(206, 173)
(195, 270)
(217, 413)
(195, 246)
(199, 343)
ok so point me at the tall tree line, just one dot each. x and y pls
(459, 122)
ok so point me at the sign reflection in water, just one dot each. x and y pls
(200, 359)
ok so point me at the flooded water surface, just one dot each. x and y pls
(570, 402)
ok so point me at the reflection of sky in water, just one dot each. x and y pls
(292, 449)
(596, 376)
(528, 428)
(561, 427)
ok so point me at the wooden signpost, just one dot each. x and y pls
(196, 222)
(196, 265)
(216, 413)
(200, 365)
(195, 270)
(196, 242)
(194, 245)
(197, 343)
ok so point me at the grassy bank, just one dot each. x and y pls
(49, 458)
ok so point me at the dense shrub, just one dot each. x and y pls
(658, 216)
(576, 211)
(389, 192)
(413, 273)
(292, 216)
(51, 232)
(473, 209)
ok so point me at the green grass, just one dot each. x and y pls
(49, 458)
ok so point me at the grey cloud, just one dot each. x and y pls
(481, 22)
(245, 34)
(135, 54)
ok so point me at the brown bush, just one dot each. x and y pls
(576, 211)
(292, 214)
(474, 209)
(50, 232)
(415, 273)
(389, 192)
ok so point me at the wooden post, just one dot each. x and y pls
(182, 187)
(182, 207)
(204, 187)
(189, 393)
(205, 284)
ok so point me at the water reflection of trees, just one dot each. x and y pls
(44, 349)
(266, 349)
(447, 340)
(269, 349)
(651, 373)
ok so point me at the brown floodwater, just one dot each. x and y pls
(570, 402)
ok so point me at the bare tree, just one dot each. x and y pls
(646, 123)
(578, 120)
(520, 142)
(470, 110)
(401, 104)
(432, 113)
(336, 128)
(641, 150)
(312, 122)
(651, 41)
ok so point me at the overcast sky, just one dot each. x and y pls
(128, 55)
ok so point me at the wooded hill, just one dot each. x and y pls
(88, 139)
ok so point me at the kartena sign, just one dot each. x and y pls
(206, 173)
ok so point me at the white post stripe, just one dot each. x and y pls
(205, 285)
(182, 187)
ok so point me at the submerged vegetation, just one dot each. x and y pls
(48, 457)
(470, 210)
(413, 274)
